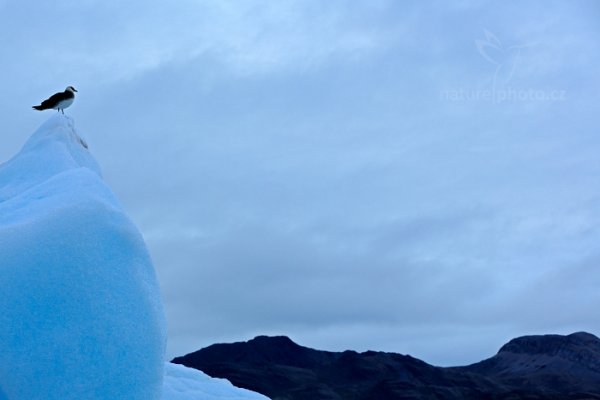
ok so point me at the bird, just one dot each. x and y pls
(58, 101)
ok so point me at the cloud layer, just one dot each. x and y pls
(352, 175)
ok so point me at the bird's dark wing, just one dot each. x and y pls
(56, 98)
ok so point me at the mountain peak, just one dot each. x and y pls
(551, 344)
(556, 363)
(273, 340)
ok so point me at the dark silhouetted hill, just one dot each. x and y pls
(529, 367)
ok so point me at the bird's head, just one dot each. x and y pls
(70, 89)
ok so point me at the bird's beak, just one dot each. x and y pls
(74, 89)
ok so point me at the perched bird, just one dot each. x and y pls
(58, 101)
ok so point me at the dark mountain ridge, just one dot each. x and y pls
(529, 367)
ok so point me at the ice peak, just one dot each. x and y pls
(59, 128)
(54, 148)
(80, 311)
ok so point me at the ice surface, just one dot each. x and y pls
(182, 383)
(80, 311)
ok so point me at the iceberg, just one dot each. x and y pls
(80, 309)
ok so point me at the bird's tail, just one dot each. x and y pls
(39, 108)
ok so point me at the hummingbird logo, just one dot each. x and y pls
(505, 58)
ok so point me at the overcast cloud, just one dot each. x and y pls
(368, 175)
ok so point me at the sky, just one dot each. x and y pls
(412, 177)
